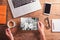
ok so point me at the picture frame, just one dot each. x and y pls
(28, 23)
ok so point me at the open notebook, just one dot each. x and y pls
(55, 25)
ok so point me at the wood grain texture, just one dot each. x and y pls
(39, 14)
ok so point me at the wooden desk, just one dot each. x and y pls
(39, 14)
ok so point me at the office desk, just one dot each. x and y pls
(39, 14)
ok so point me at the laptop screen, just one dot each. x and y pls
(18, 3)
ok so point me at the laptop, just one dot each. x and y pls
(22, 7)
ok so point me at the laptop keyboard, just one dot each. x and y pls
(18, 3)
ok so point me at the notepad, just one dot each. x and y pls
(55, 25)
(3, 14)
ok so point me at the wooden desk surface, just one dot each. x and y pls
(39, 14)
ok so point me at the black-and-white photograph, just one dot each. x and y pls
(18, 3)
(29, 23)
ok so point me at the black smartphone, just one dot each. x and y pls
(47, 8)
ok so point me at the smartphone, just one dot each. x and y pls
(47, 8)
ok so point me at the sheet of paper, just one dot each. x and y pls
(2, 14)
(55, 25)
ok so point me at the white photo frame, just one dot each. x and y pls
(28, 23)
(24, 9)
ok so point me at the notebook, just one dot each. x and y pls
(3, 14)
(55, 25)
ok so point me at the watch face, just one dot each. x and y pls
(18, 3)
(29, 23)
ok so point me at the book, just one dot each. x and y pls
(3, 14)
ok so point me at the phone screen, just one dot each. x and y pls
(47, 8)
